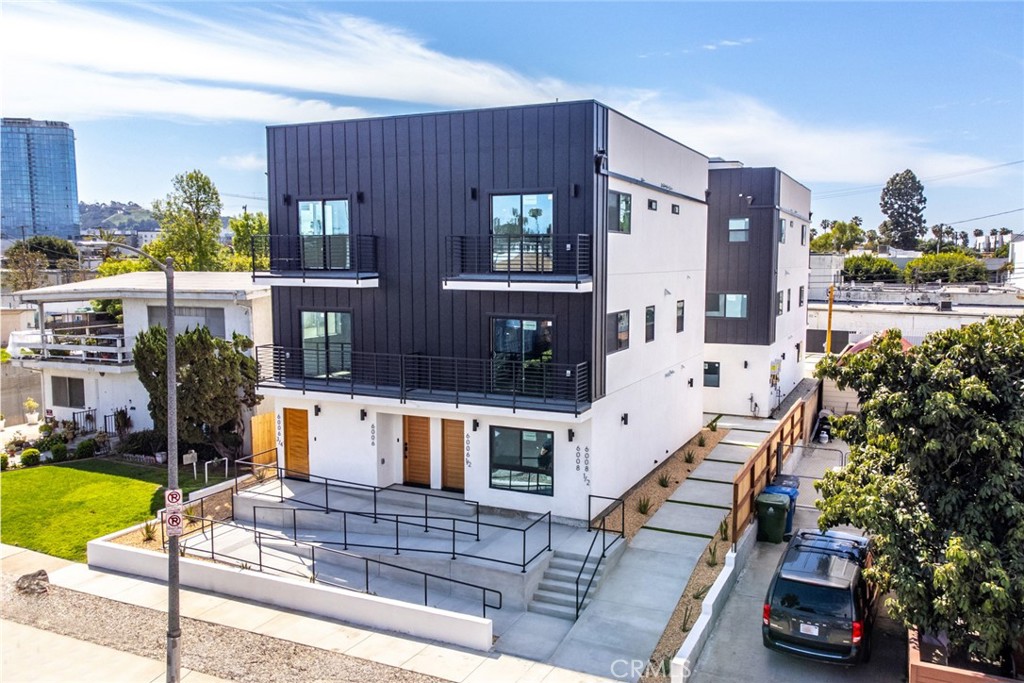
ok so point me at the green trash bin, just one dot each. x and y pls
(772, 509)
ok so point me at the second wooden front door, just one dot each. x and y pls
(296, 443)
(416, 438)
(453, 467)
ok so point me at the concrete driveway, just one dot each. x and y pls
(734, 652)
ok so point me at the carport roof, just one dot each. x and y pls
(151, 284)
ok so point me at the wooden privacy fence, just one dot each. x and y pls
(767, 460)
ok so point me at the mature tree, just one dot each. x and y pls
(53, 248)
(250, 240)
(936, 475)
(25, 269)
(839, 236)
(903, 203)
(216, 380)
(118, 266)
(868, 268)
(190, 224)
(949, 266)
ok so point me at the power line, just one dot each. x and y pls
(863, 189)
(991, 215)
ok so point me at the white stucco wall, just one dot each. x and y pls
(104, 391)
(914, 321)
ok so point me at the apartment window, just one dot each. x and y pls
(803, 233)
(68, 392)
(521, 226)
(675, 209)
(726, 305)
(712, 374)
(652, 204)
(619, 212)
(800, 294)
(789, 299)
(739, 229)
(190, 317)
(680, 316)
(324, 234)
(618, 331)
(520, 349)
(649, 324)
(522, 460)
(782, 231)
(326, 344)
(778, 303)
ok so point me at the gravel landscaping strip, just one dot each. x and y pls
(221, 651)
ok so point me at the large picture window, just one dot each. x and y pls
(620, 208)
(522, 460)
(190, 317)
(521, 226)
(726, 305)
(326, 344)
(521, 349)
(324, 234)
(68, 392)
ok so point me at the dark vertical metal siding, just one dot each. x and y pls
(743, 267)
(415, 175)
(596, 194)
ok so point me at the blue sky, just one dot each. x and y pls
(839, 95)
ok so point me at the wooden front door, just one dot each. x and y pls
(296, 443)
(416, 431)
(453, 464)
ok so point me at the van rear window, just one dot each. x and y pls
(812, 599)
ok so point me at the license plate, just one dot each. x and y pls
(809, 629)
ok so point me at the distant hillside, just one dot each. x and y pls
(116, 216)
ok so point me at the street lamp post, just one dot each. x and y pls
(173, 575)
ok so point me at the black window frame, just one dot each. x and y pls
(722, 307)
(547, 439)
(615, 210)
(779, 303)
(789, 299)
(800, 301)
(680, 315)
(803, 234)
(717, 374)
(63, 398)
(615, 342)
(782, 231)
(745, 231)
(649, 317)
(652, 204)
(675, 209)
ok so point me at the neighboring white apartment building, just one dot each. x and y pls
(757, 278)
(86, 366)
(1016, 278)
(522, 323)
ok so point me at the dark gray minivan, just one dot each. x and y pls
(819, 606)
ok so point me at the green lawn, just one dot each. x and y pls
(57, 509)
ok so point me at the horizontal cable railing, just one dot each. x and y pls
(514, 255)
(534, 539)
(325, 554)
(337, 368)
(315, 253)
(600, 524)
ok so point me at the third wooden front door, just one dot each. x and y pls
(453, 464)
(416, 444)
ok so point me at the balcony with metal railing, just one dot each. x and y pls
(519, 385)
(97, 344)
(519, 262)
(324, 260)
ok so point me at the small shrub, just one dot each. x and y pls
(30, 405)
(3, 463)
(148, 532)
(723, 530)
(702, 441)
(245, 565)
(712, 559)
(144, 442)
(45, 429)
(702, 591)
(643, 506)
(713, 425)
(688, 456)
(30, 457)
(191, 512)
(85, 449)
(687, 619)
(59, 452)
(663, 480)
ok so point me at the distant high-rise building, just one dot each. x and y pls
(38, 182)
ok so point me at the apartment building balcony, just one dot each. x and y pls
(87, 345)
(521, 262)
(321, 260)
(519, 385)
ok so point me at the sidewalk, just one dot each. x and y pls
(449, 663)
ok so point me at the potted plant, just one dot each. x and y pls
(31, 407)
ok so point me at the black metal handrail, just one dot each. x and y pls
(85, 420)
(602, 527)
(313, 548)
(357, 254)
(338, 369)
(517, 255)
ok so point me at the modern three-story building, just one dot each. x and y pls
(505, 302)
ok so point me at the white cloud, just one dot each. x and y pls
(244, 162)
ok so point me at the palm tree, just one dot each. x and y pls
(963, 238)
(110, 239)
(937, 231)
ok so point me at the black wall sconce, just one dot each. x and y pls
(360, 197)
(574, 190)
(316, 409)
(689, 382)
(362, 414)
(745, 365)
(783, 356)
(287, 199)
(625, 418)
(600, 157)
(476, 425)
(750, 199)
(572, 435)
(472, 193)
(675, 209)
(652, 204)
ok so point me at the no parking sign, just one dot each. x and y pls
(172, 518)
(174, 524)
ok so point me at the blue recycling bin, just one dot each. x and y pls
(793, 494)
(790, 480)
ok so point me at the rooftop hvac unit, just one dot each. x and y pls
(945, 306)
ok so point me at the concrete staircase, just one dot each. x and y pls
(556, 594)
